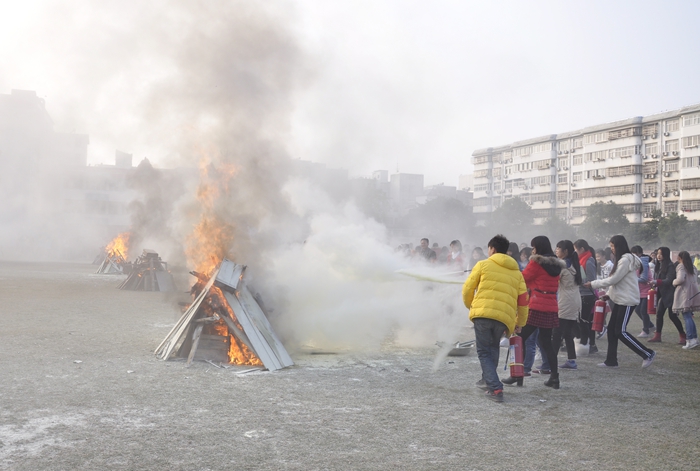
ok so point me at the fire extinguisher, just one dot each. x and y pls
(516, 357)
(599, 315)
(651, 301)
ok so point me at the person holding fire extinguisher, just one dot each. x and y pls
(542, 279)
(665, 273)
(496, 296)
(624, 294)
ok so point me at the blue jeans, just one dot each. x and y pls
(488, 333)
(691, 331)
(530, 348)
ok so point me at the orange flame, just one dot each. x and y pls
(119, 245)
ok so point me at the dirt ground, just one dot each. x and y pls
(82, 390)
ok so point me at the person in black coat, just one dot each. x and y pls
(664, 274)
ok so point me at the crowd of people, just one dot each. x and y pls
(547, 297)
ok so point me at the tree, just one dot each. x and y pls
(673, 230)
(647, 233)
(513, 215)
(603, 220)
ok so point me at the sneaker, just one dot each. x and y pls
(592, 350)
(481, 384)
(495, 396)
(643, 335)
(605, 365)
(600, 335)
(692, 343)
(646, 363)
(569, 365)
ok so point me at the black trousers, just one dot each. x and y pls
(617, 330)
(586, 320)
(661, 309)
(545, 339)
(566, 329)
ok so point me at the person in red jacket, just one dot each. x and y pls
(542, 280)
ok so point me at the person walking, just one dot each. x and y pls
(664, 275)
(643, 277)
(624, 293)
(589, 270)
(542, 280)
(568, 301)
(686, 299)
(496, 296)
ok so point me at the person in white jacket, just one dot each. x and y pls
(624, 294)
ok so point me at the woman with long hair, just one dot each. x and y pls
(624, 293)
(477, 256)
(568, 300)
(525, 254)
(664, 274)
(542, 280)
(589, 269)
(686, 299)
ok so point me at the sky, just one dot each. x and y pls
(396, 85)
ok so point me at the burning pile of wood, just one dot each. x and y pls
(113, 264)
(149, 273)
(225, 323)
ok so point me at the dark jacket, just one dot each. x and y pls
(664, 283)
(542, 280)
(590, 271)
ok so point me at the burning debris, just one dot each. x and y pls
(225, 323)
(149, 273)
(113, 259)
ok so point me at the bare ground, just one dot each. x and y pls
(120, 408)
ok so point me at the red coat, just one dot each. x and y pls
(542, 280)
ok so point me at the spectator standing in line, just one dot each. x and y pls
(456, 258)
(425, 252)
(589, 269)
(643, 278)
(664, 275)
(623, 291)
(477, 256)
(496, 296)
(686, 299)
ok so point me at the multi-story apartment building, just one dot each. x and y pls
(642, 164)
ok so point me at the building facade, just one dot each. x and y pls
(642, 164)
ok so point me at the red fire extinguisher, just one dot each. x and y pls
(516, 357)
(651, 301)
(599, 315)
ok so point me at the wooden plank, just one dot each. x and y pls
(195, 343)
(165, 281)
(168, 344)
(230, 273)
(232, 327)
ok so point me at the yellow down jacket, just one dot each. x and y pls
(496, 290)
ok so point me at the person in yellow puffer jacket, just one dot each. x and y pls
(496, 296)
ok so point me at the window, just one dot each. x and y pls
(521, 151)
(576, 195)
(650, 129)
(621, 133)
(622, 171)
(631, 208)
(610, 190)
(670, 206)
(482, 201)
(672, 146)
(496, 186)
(649, 207)
(563, 178)
(690, 205)
(577, 176)
(509, 185)
(691, 119)
(689, 162)
(671, 166)
(578, 212)
(628, 151)
(542, 213)
(507, 155)
(588, 139)
(690, 184)
(544, 180)
(542, 164)
(481, 159)
(601, 137)
(562, 195)
(509, 169)
(598, 173)
(651, 148)
(482, 187)
(595, 156)
(563, 162)
(564, 145)
(544, 147)
(671, 185)
(535, 197)
(672, 125)
(524, 167)
(578, 143)
(650, 168)
(561, 213)
(482, 173)
(650, 188)
(691, 141)
(497, 158)
(496, 172)
(578, 159)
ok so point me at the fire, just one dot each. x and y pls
(119, 245)
(212, 237)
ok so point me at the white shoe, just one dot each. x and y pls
(647, 363)
(643, 335)
(692, 343)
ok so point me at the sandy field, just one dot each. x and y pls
(82, 390)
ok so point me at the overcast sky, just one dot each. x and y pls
(411, 85)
